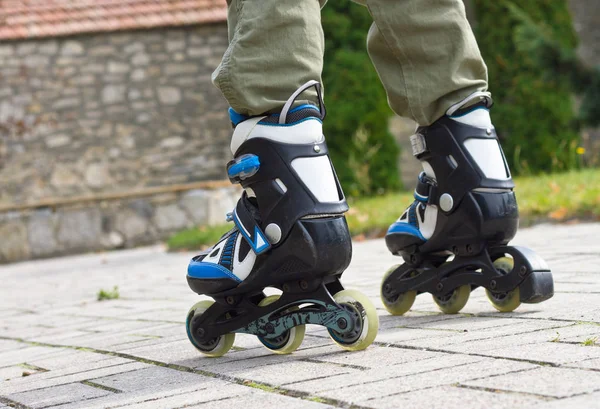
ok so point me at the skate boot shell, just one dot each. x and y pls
(454, 237)
(289, 233)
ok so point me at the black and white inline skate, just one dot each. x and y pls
(453, 237)
(290, 233)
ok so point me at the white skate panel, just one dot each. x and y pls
(488, 156)
(317, 175)
(242, 269)
(308, 131)
(479, 118)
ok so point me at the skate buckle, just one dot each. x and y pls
(243, 167)
(417, 141)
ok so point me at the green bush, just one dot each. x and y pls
(361, 146)
(533, 115)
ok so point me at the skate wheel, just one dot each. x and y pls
(504, 302)
(215, 347)
(287, 342)
(455, 301)
(400, 303)
(366, 321)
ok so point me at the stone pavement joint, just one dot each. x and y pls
(133, 352)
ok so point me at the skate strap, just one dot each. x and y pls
(426, 190)
(249, 228)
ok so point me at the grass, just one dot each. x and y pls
(590, 342)
(108, 294)
(559, 197)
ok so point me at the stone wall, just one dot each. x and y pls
(86, 121)
(111, 112)
(109, 224)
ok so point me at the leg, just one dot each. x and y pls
(430, 65)
(289, 229)
(425, 54)
(275, 46)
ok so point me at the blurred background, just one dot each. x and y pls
(112, 135)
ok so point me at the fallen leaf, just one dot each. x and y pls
(558, 214)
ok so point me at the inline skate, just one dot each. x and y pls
(289, 233)
(453, 237)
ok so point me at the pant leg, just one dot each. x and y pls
(426, 55)
(275, 47)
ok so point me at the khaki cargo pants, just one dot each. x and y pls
(423, 50)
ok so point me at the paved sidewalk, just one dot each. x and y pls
(61, 348)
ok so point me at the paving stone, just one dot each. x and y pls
(155, 377)
(587, 401)
(556, 382)
(550, 352)
(413, 368)
(447, 376)
(56, 395)
(292, 371)
(55, 378)
(451, 397)
(258, 399)
(420, 359)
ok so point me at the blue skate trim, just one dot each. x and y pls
(259, 243)
(236, 118)
(209, 271)
(469, 111)
(420, 198)
(406, 229)
(248, 165)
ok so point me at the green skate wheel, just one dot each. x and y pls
(455, 301)
(365, 317)
(504, 302)
(401, 303)
(215, 347)
(287, 342)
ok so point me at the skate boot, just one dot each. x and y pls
(453, 237)
(289, 233)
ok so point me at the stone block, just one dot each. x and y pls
(140, 59)
(72, 47)
(169, 95)
(112, 94)
(117, 67)
(6, 50)
(14, 243)
(80, 229)
(26, 48)
(178, 69)
(131, 224)
(97, 175)
(41, 232)
(49, 47)
(170, 218)
(222, 201)
(196, 204)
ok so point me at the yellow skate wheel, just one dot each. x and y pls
(455, 301)
(401, 303)
(215, 347)
(287, 342)
(504, 302)
(366, 321)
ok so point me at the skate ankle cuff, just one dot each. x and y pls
(249, 228)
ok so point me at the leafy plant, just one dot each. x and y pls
(108, 294)
(357, 123)
(533, 113)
